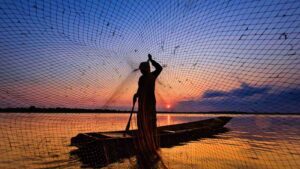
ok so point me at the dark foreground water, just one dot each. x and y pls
(253, 141)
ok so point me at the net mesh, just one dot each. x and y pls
(240, 56)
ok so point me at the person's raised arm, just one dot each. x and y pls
(158, 67)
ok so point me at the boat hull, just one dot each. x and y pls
(101, 148)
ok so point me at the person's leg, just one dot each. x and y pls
(154, 129)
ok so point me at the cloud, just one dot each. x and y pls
(214, 93)
(246, 98)
(244, 90)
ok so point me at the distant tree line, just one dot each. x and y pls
(33, 109)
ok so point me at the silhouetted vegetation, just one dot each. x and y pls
(33, 109)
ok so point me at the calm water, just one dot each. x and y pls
(253, 141)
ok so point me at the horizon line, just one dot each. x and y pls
(34, 109)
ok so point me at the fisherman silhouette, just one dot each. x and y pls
(147, 141)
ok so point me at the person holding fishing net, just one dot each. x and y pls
(147, 144)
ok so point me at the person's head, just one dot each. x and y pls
(144, 67)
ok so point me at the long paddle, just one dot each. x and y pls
(128, 123)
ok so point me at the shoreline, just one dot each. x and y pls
(106, 111)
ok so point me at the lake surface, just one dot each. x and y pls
(253, 141)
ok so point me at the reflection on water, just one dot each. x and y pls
(254, 141)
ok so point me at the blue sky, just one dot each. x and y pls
(81, 53)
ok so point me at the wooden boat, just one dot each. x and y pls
(98, 149)
(165, 133)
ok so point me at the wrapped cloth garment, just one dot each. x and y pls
(147, 143)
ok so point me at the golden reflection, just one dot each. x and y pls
(227, 154)
(168, 119)
(42, 141)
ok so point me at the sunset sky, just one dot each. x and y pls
(217, 55)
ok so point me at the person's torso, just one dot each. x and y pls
(147, 85)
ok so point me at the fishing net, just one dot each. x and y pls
(217, 56)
